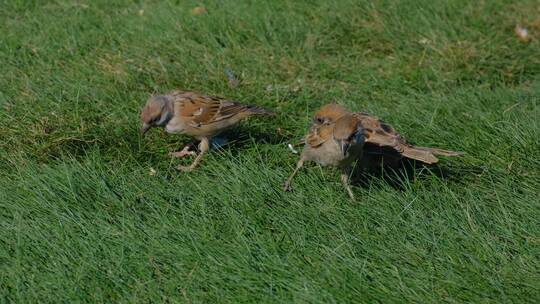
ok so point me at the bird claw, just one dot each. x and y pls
(182, 153)
(287, 187)
(184, 168)
(351, 194)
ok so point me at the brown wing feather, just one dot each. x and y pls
(318, 134)
(380, 133)
(197, 109)
(229, 109)
(381, 136)
(346, 126)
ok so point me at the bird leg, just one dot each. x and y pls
(186, 151)
(204, 145)
(345, 180)
(287, 185)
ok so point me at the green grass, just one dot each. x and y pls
(82, 220)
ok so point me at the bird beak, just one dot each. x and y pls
(343, 146)
(145, 127)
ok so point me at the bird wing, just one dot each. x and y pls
(382, 139)
(318, 134)
(380, 134)
(200, 110)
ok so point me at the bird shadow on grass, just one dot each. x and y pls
(399, 173)
(239, 138)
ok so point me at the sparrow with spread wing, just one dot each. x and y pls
(338, 143)
(339, 137)
(196, 115)
(380, 137)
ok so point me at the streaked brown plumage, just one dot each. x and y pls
(381, 138)
(197, 115)
(338, 143)
(338, 138)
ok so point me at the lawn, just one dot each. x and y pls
(91, 212)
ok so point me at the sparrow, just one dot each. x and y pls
(196, 115)
(381, 138)
(338, 143)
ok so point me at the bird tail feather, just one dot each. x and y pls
(427, 155)
(256, 110)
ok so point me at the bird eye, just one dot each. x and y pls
(319, 120)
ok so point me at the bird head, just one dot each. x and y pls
(329, 113)
(156, 113)
(348, 132)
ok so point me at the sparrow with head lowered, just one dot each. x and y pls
(196, 115)
(338, 143)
